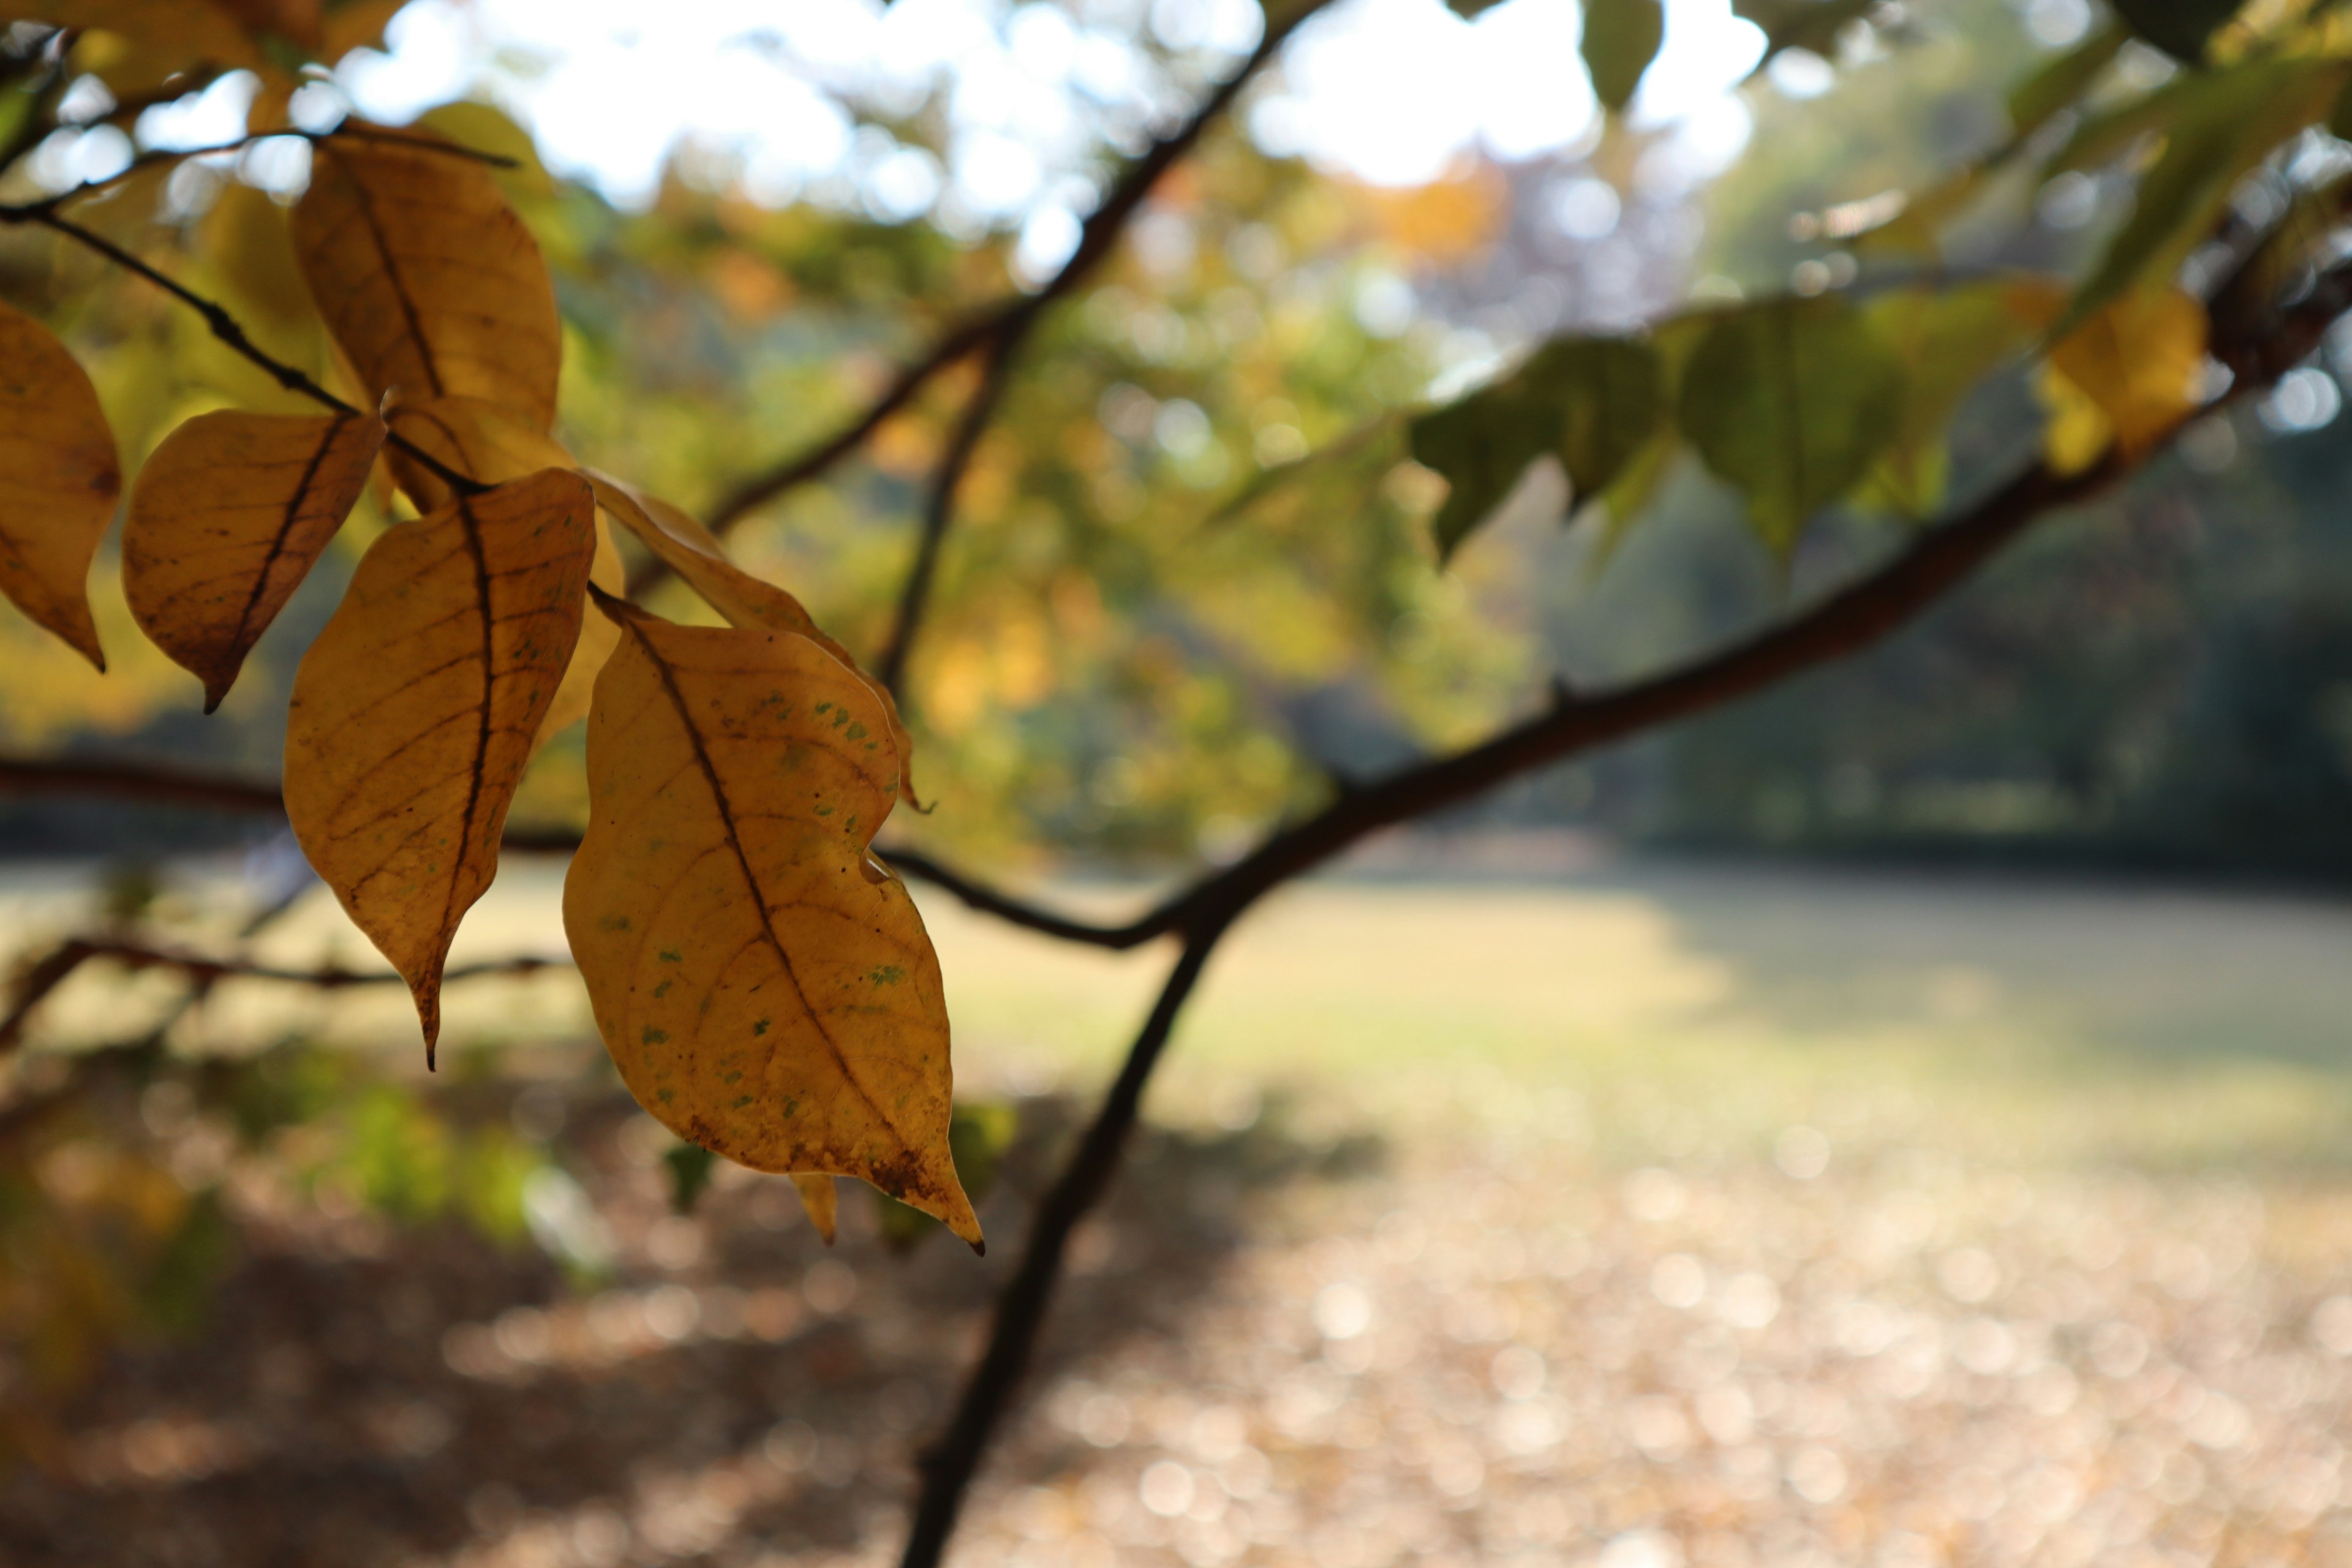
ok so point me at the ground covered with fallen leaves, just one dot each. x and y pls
(1560, 1323)
(1277, 1350)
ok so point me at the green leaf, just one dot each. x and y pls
(1593, 403)
(691, 1166)
(1947, 342)
(2041, 96)
(1791, 401)
(1621, 40)
(1608, 396)
(2217, 128)
(2179, 27)
(1481, 445)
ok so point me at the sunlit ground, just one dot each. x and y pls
(1640, 1214)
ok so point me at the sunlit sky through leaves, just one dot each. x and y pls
(1391, 91)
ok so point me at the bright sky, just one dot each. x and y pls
(1391, 92)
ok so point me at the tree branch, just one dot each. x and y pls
(948, 1466)
(1853, 618)
(224, 327)
(44, 977)
(995, 375)
(1009, 321)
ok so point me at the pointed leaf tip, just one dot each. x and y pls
(415, 710)
(58, 480)
(821, 1202)
(227, 518)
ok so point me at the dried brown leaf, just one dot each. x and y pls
(691, 550)
(766, 988)
(58, 480)
(485, 442)
(414, 712)
(225, 521)
(427, 279)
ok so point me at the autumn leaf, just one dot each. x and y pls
(821, 1202)
(58, 480)
(414, 711)
(2128, 375)
(485, 442)
(427, 279)
(765, 988)
(691, 551)
(227, 518)
(157, 38)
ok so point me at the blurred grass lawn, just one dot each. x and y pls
(1649, 1009)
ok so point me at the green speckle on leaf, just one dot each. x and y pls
(656, 1036)
(857, 731)
(671, 955)
(761, 1027)
(888, 974)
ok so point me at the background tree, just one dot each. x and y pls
(1194, 562)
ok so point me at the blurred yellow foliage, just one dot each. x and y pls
(1443, 224)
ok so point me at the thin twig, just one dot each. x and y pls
(948, 1466)
(158, 156)
(938, 515)
(1860, 616)
(52, 971)
(1010, 319)
(226, 328)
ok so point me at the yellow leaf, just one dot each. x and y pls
(244, 237)
(765, 988)
(414, 711)
(2078, 433)
(153, 40)
(428, 280)
(691, 551)
(296, 20)
(227, 519)
(2137, 361)
(58, 480)
(822, 1203)
(485, 442)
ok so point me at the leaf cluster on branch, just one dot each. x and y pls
(760, 977)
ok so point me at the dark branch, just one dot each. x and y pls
(226, 328)
(44, 976)
(948, 1466)
(1847, 621)
(1010, 320)
(890, 669)
(1020, 913)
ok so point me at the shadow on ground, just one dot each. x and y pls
(363, 1394)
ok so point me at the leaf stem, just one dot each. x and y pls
(226, 328)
